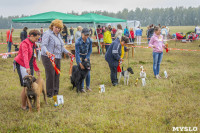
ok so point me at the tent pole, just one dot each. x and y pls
(97, 38)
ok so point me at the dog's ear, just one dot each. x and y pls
(33, 79)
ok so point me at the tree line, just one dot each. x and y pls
(178, 16)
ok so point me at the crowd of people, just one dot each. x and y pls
(54, 39)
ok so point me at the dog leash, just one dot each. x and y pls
(52, 59)
(71, 65)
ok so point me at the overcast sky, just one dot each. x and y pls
(30, 7)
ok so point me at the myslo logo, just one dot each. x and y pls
(185, 129)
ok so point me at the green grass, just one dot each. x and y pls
(157, 107)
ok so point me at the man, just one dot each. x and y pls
(138, 33)
(83, 50)
(197, 31)
(23, 34)
(9, 39)
(113, 57)
(72, 35)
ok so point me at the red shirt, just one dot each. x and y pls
(8, 33)
(114, 31)
(25, 54)
(131, 34)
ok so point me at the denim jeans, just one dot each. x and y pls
(87, 77)
(157, 58)
(9, 47)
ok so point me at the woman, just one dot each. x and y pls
(131, 37)
(52, 43)
(25, 61)
(157, 44)
(78, 33)
(107, 38)
(119, 31)
(65, 33)
(99, 32)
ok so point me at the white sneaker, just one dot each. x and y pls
(158, 77)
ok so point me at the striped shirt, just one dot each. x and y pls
(53, 44)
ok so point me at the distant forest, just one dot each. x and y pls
(178, 16)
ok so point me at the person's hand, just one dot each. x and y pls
(48, 54)
(28, 71)
(82, 67)
(69, 54)
(154, 46)
(38, 73)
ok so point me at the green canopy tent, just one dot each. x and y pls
(96, 18)
(48, 17)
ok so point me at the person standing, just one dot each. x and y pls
(99, 32)
(119, 31)
(91, 32)
(78, 33)
(83, 50)
(164, 33)
(113, 58)
(65, 33)
(138, 33)
(26, 61)
(23, 34)
(52, 43)
(157, 44)
(107, 38)
(197, 31)
(113, 32)
(126, 32)
(72, 35)
(150, 32)
(9, 40)
(131, 37)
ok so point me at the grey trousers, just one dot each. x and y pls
(52, 79)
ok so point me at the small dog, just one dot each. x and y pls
(143, 75)
(78, 75)
(126, 75)
(33, 90)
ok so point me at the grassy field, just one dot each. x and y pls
(157, 107)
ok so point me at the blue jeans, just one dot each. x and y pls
(87, 77)
(9, 47)
(157, 58)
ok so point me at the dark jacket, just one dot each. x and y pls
(150, 32)
(23, 35)
(114, 52)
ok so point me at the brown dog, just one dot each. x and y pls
(33, 90)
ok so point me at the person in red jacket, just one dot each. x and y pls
(131, 36)
(9, 39)
(25, 61)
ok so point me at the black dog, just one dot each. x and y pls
(78, 75)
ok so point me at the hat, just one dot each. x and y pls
(125, 39)
(85, 31)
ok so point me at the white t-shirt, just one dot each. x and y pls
(197, 30)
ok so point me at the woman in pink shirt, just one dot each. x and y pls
(157, 44)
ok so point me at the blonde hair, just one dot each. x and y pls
(58, 23)
(131, 29)
(79, 28)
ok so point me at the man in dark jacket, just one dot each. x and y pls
(23, 34)
(113, 57)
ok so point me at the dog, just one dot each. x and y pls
(143, 75)
(33, 89)
(78, 75)
(126, 75)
